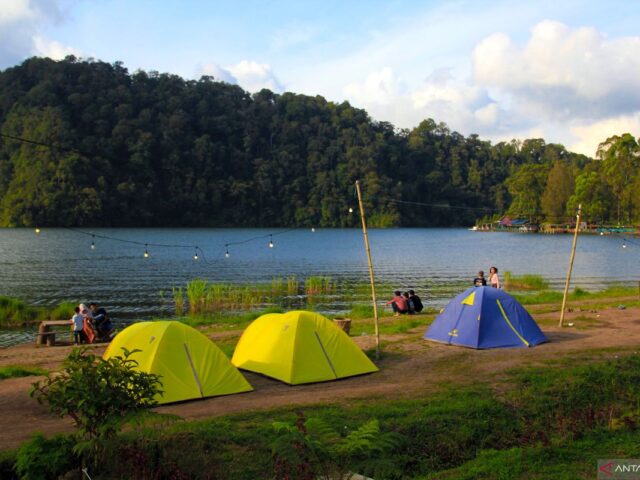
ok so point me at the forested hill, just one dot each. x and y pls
(150, 149)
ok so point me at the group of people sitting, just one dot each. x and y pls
(90, 323)
(494, 280)
(407, 302)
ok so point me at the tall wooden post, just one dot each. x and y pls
(371, 276)
(573, 254)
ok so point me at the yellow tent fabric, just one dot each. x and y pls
(299, 347)
(191, 365)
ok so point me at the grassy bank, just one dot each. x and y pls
(15, 312)
(551, 422)
(13, 371)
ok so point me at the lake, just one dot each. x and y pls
(58, 264)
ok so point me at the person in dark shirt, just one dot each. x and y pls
(101, 320)
(417, 303)
(480, 281)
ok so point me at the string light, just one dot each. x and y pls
(624, 243)
(93, 242)
(146, 251)
(37, 230)
(313, 229)
(271, 241)
(227, 254)
(350, 210)
(195, 256)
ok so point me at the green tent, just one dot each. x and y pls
(299, 347)
(190, 365)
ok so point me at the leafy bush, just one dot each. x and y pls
(42, 459)
(63, 311)
(99, 395)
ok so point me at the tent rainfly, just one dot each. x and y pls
(190, 365)
(485, 317)
(299, 347)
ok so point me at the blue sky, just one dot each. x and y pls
(568, 70)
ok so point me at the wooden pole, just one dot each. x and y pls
(371, 276)
(573, 255)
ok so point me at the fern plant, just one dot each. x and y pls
(311, 449)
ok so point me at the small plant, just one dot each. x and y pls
(99, 395)
(41, 458)
(308, 449)
(178, 299)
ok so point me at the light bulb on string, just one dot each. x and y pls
(93, 242)
(313, 229)
(350, 210)
(146, 251)
(271, 241)
(601, 234)
(226, 253)
(37, 230)
(195, 256)
(624, 243)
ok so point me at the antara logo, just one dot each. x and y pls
(607, 468)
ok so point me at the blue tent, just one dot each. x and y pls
(485, 317)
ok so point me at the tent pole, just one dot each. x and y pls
(573, 254)
(371, 276)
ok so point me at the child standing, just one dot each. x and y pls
(77, 321)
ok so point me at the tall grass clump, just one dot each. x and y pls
(196, 293)
(317, 285)
(63, 311)
(14, 311)
(527, 281)
(178, 299)
(293, 286)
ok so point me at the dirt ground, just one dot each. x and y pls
(410, 367)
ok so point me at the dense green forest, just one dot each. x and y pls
(151, 149)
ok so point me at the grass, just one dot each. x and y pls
(14, 371)
(15, 312)
(550, 422)
(525, 282)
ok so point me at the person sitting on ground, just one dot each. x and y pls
(417, 303)
(77, 322)
(410, 307)
(398, 303)
(480, 281)
(101, 320)
(494, 281)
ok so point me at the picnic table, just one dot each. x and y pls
(45, 335)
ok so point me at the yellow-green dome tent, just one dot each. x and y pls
(299, 347)
(191, 366)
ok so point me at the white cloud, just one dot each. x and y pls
(218, 73)
(250, 75)
(563, 73)
(15, 11)
(380, 87)
(52, 49)
(21, 22)
(589, 136)
(253, 76)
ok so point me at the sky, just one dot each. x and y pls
(564, 70)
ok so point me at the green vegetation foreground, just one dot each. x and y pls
(443, 412)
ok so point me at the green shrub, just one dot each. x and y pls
(64, 311)
(99, 395)
(43, 459)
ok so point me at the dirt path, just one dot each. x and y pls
(411, 367)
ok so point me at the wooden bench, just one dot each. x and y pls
(45, 336)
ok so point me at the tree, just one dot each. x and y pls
(560, 186)
(526, 186)
(621, 158)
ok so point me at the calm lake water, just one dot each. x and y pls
(59, 264)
